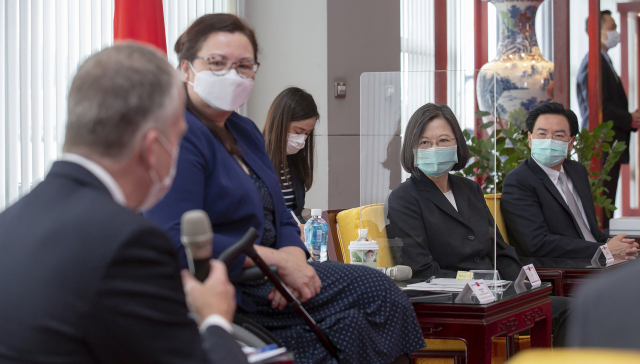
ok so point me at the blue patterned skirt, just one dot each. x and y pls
(365, 315)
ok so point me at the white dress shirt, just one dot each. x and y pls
(449, 196)
(118, 196)
(553, 176)
(100, 173)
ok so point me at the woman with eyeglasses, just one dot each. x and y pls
(442, 219)
(288, 136)
(223, 169)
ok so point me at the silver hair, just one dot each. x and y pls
(117, 94)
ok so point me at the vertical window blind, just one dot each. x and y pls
(43, 43)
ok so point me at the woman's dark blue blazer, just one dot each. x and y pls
(209, 178)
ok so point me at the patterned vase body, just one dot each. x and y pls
(519, 76)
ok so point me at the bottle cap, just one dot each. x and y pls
(316, 212)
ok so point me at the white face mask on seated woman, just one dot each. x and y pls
(227, 92)
(295, 142)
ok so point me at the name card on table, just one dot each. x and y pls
(607, 254)
(464, 276)
(480, 289)
(528, 272)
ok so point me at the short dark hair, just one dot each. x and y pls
(602, 14)
(555, 109)
(292, 104)
(418, 122)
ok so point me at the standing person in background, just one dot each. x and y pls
(288, 137)
(615, 105)
(224, 170)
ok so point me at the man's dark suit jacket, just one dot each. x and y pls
(605, 310)
(85, 280)
(538, 220)
(438, 240)
(615, 105)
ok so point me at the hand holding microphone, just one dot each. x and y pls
(216, 295)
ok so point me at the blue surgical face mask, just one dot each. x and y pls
(549, 152)
(436, 162)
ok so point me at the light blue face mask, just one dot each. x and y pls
(436, 162)
(549, 152)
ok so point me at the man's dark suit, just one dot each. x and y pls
(438, 240)
(605, 311)
(85, 280)
(538, 220)
(615, 106)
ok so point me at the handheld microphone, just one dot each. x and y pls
(197, 236)
(398, 273)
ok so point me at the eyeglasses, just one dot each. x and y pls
(219, 65)
(441, 142)
(545, 135)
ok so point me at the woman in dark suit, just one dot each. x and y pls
(443, 219)
(289, 139)
(223, 169)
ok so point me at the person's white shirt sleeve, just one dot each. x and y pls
(216, 320)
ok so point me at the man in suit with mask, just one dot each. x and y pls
(546, 201)
(615, 105)
(85, 278)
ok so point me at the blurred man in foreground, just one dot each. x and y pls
(86, 279)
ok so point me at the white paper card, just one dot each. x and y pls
(528, 272)
(603, 249)
(607, 253)
(531, 273)
(480, 289)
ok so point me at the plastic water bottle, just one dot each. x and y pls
(315, 236)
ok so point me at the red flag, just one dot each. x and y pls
(140, 20)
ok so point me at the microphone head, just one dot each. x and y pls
(196, 233)
(402, 273)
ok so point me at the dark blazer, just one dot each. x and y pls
(438, 240)
(538, 220)
(605, 310)
(615, 105)
(210, 179)
(85, 280)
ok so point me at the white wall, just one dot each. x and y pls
(292, 36)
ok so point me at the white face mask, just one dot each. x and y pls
(227, 92)
(295, 142)
(613, 39)
(159, 189)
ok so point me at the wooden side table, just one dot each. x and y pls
(478, 324)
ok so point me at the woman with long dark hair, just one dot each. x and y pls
(288, 135)
(223, 169)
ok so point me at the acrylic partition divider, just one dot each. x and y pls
(398, 144)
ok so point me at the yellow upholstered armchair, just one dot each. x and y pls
(493, 201)
(345, 225)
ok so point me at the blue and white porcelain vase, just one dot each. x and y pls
(519, 76)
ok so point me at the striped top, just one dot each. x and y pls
(287, 190)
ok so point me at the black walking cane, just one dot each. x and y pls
(245, 245)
